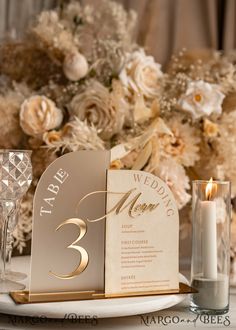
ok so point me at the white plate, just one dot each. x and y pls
(100, 308)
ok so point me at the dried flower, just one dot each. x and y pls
(155, 156)
(222, 151)
(174, 175)
(129, 159)
(143, 157)
(182, 145)
(142, 112)
(202, 99)
(11, 133)
(105, 31)
(76, 135)
(53, 35)
(223, 162)
(38, 115)
(140, 151)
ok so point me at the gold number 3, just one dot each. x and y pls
(84, 259)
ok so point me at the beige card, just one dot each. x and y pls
(67, 250)
(142, 234)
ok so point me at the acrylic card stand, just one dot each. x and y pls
(78, 206)
(22, 297)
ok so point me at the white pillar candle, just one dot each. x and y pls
(209, 239)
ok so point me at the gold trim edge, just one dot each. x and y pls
(24, 297)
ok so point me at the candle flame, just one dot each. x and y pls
(211, 189)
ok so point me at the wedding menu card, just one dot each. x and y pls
(142, 227)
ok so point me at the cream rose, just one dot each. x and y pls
(141, 75)
(38, 115)
(100, 108)
(202, 99)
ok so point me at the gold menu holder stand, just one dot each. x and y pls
(24, 297)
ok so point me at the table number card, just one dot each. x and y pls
(68, 251)
(142, 234)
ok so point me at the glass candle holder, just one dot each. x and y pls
(210, 267)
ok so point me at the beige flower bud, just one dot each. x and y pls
(210, 129)
(52, 136)
(116, 165)
(75, 66)
(38, 115)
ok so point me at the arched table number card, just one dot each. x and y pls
(100, 233)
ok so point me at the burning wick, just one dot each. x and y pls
(211, 189)
(209, 232)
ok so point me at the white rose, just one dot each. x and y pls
(38, 115)
(141, 75)
(202, 99)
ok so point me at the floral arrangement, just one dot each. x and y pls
(79, 81)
